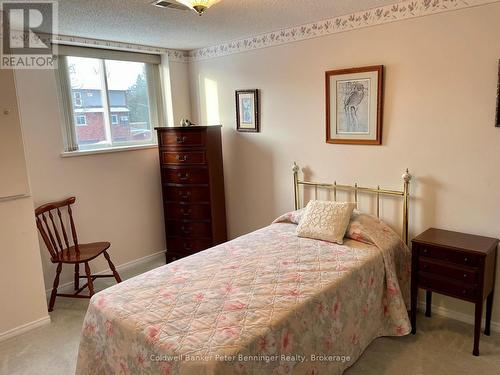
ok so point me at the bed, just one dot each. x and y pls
(265, 303)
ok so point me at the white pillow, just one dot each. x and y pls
(325, 220)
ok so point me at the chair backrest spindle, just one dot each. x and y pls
(63, 229)
(54, 232)
(73, 229)
(51, 236)
(45, 238)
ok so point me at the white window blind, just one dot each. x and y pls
(108, 54)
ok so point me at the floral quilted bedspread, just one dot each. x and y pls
(266, 303)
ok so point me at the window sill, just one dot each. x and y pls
(70, 154)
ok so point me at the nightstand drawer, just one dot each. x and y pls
(446, 286)
(454, 256)
(465, 274)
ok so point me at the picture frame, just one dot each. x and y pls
(354, 105)
(497, 117)
(247, 111)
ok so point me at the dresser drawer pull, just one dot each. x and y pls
(426, 251)
(466, 259)
(464, 292)
(181, 157)
(465, 275)
(187, 246)
(184, 196)
(425, 266)
(186, 212)
(181, 139)
(186, 231)
(183, 177)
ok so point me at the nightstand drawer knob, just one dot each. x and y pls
(425, 251)
(465, 275)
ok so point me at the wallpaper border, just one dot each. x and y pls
(403, 10)
(377, 16)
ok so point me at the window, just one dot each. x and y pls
(81, 120)
(120, 88)
(78, 98)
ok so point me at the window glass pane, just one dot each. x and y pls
(128, 102)
(88, 101)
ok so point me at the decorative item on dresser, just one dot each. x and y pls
(458, 265)
(193, 189)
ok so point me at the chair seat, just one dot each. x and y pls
(87, 252)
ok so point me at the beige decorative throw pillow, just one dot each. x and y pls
(327, 221)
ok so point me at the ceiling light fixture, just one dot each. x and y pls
(199, 6)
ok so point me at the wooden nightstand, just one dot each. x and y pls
(458, 265)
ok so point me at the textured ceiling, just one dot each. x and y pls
(136, 21)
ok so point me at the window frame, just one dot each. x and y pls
(154, 91)
(79, 99)
(117, 122)
(81, 124)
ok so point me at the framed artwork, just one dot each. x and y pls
(354, 100)
(497, 119)
(247, 111)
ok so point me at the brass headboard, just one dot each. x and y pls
(405, 194)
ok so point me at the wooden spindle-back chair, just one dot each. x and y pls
(52, 219)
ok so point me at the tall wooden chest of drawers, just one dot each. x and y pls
(193, 189)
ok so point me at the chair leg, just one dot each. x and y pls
(77, 276)
(89, 279)
(112, 266)
(54, 288)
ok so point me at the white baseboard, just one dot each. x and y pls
(24, 328)
(68, 287)
(461, 317)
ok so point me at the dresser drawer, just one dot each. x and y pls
(187, 194)
(187, 246)
(172, 256)
(179, 138)
(188, 211)
(189, 229)
(453, 256)
(463, 274)
(185, 175)
(183, 157)
(447, 286)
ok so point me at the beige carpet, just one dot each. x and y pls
(441, 346)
